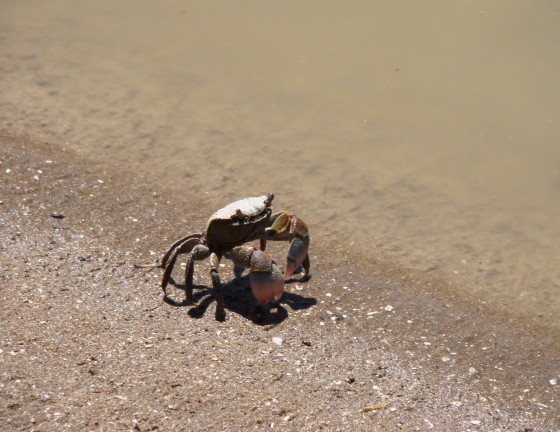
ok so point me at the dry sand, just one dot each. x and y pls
(88, 344)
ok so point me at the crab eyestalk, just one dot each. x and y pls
(290, 228)
(266, 278)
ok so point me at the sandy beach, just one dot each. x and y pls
(88, 344)
(419, 143)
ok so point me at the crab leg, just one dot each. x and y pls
(198, 253)
(185, 245)
(217, 285)
(178, 243)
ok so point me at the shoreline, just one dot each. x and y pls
(90, 345)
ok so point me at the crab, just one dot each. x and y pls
(227, 232)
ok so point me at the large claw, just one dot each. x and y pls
(289, 227)
(267, 286)
(266, 278)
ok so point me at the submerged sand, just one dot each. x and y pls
(88, 344)
(425, 133)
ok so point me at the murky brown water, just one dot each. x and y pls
(421, 132)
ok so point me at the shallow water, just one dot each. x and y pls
(420, 132)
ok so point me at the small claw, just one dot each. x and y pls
(296, 255)
(291, 267)
(280, 228)
(288, 227)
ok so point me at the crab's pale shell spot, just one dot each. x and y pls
(248, 206)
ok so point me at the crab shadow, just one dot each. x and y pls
(239, 299)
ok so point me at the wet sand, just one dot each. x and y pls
(88, 344)
(422, 133)
(418, 142)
